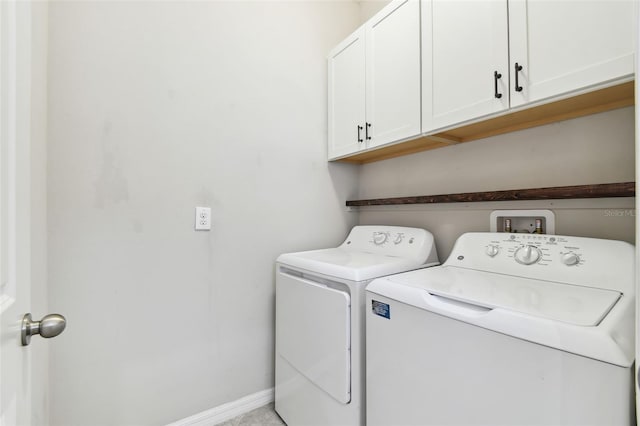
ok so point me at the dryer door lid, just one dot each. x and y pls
(347, 264)
(313, 330)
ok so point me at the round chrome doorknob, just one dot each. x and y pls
(49, 326)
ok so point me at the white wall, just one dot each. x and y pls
(155, 108)
(587, 150)
(368, 8)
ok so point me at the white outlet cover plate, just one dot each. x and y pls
(203, 218)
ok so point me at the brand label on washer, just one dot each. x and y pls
(380, 309)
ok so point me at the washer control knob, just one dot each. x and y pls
(398, 239)
(570, 258)
(492, 250)
(380, 238)
(527, 255)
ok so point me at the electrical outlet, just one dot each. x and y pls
(203, 218)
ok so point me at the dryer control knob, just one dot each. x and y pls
(492, 250)
(380, 238)
(570, 258)
(527, 255)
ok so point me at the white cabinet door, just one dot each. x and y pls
(465, 43)
(347, 96)
(568, 45)
(393, 73)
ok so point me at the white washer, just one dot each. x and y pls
(511, 330)
(320, 320)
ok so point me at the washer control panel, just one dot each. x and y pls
(535, 249)
(548, 257)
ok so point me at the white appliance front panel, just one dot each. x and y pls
(314, 336)
(426, 369)
(612, 340)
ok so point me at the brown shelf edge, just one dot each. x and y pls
(605, 190)
(617, 96)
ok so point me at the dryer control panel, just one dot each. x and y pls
(567, 259)
(383, 237)
(397, 241)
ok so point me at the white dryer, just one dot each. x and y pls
(512, 329)
(320, 320)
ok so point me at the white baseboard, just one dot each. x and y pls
(229, 410)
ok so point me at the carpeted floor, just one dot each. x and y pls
(263, 416)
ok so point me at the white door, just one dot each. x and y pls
(637, 144)
(15, 377)
(568, 45)
(393, 73)
(465, 43)
(347, 96)
(23, 369)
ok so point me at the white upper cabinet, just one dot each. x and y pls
(568, 45)
(393, 73)
(465, 60)
(374, 82)
(429, 67)
(484, 56)
(347, 96)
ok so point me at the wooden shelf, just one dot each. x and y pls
(622, 189)
(614, 97)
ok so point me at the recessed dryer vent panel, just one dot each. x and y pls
(522, 221)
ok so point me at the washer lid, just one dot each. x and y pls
(573, 304)
(348, 264)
